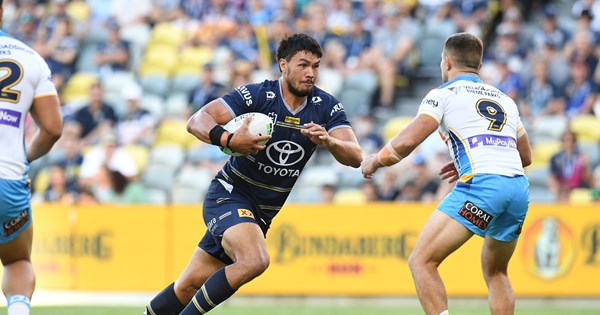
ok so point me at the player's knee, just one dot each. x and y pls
(185, 290)
(256, 265)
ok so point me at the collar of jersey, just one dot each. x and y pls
(4, 34)
(467, 77)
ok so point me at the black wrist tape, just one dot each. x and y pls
(229, 140)
(215, 134)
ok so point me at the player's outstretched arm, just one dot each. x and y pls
(401, 145)
(341, 143)
(524, 148)
(212, 114)
(45, 111)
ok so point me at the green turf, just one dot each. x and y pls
(304, 310)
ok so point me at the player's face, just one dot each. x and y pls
(301, 73)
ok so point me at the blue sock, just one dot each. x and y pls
(214, 291)
(165, 303)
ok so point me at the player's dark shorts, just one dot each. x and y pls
(224, 207)
(15, 208)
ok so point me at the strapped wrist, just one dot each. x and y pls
(229, 137)
(215, 134)
(388, 156)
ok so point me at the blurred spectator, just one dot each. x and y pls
(257, 12)
(112, 187)
(112, 54)
(550, 30)
(59, 189)
(316, 22)
(107, 154)
(582, 49)
(388, 188)
(583, 23)
(328, 193)
(240, 74)
(27, 29)
(426, 184)
(96, 118)
(207, 91)
(569, 169)
(539, 93)
(369, 189)
(593, 9)
(357, 39)
(137, 126)
(61, 49)
(165, 11)
(70, 158)
(339, 16)
(578, 96)
(370, 141)
(393, 48)
(243, 43)
(509, 82)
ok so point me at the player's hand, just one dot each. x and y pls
(244, 142)
(317, 134)
(369, 165)
(449, 172)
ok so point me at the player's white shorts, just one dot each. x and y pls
(490, 205)
(15, 208)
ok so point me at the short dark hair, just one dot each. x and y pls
(465, 49)
(296, 42)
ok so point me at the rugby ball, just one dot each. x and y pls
(261, 125)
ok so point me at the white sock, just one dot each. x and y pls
(18, 305)
(445, 313)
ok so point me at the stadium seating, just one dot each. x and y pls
(185, 195)
(587, 128)
(350, 197)
(174, 131)
(140, 155)
(166, 34)
(78, 87)
(580, 196)
(394, 125)
(176, 105)
(158, 176)
(154, 104)
(171, 155)
(542, 153)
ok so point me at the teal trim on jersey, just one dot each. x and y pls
(460, 155)
(467, 77)
(4, 34)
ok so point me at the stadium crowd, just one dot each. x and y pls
(131, 72)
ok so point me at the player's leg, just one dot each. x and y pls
(244, 243)
(173, 299)
(495, 256)
(441, 235)
(19, 278)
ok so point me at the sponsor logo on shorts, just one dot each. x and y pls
(14, 224)
(292, 120)
(10, 117)
(245, 213)
(475, 215)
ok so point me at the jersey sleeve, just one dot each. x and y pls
(520, 129)
(337, 117)
(45, 85)
(243, 99)
(432, 105)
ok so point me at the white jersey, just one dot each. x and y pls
(24, 75)
(479, 124)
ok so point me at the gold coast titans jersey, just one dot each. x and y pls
(479, 124)
(24, 76)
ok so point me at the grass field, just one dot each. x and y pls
(309, 310)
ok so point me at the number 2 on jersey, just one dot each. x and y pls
(493, 112)
(13, 75)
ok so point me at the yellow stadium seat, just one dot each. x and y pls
(147, 69)
(79, 10)
(580, 196)
(196, 56)
(42, 180)
(586, 127)
(167, 33)
(349, 197)
(174, 131)
(140, 155)
(543, 152)
(393, 126)
(161, 55)
(78, 86)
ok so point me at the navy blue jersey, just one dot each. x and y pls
(268, 177)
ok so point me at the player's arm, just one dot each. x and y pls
(206, 123)
(341, 142)
(524, 148)
(45, 111)
(401, 145)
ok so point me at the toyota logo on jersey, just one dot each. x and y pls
(285, 153)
